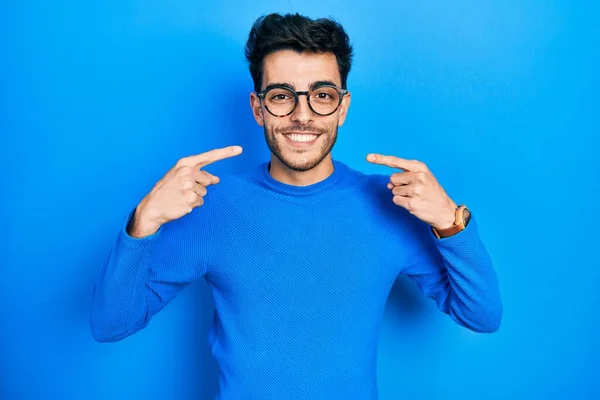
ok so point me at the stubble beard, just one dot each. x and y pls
(274, 138)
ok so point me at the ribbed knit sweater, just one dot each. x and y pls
(299, 275)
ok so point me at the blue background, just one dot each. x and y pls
(500, 99)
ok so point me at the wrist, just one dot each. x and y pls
(462, 215)
(447, 220)
(142, 224)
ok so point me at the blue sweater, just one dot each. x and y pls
(299, 276)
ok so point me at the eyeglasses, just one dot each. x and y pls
(281, 101)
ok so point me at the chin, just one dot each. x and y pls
(300, 159)
(300, 163)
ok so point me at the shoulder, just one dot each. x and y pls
(373, 185)
(379, 201)
(233, 183)
(370, 190)
(239, 174)
(359, 178)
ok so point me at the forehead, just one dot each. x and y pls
(300, 69)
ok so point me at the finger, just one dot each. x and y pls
(396, 162)
(204, 178)
(194, 196)
(199, 189)
(401, 178)
(402, 201)
(403, 190)
(202, 160)
(199, 201)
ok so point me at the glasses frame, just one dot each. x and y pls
(261, 95)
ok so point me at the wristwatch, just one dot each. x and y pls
(462, 216)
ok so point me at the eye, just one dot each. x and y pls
(325, 95)
(280, 96)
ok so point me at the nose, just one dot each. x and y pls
(302, 114)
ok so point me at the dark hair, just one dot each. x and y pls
(276, 32)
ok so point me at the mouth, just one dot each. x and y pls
(301, 139)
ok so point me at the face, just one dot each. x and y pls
(302, 139)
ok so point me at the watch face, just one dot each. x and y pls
(466, 216)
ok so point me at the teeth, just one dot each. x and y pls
(302, 138)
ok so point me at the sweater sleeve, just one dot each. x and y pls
(457, 273)
(142, 275)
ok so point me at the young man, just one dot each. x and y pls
(300, 252)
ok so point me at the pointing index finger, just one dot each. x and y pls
(209, 157)
(394, 162)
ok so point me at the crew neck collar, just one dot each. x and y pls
(312, 189)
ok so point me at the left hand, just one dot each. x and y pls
(418, 191)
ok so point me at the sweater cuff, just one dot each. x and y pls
(132, 257)
(132, 246)
(466, 237)
(126, 236)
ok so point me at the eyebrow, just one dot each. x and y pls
(316, 84)
(312, 86)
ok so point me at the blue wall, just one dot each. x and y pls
(500, 99)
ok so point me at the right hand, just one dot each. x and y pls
(178, 192)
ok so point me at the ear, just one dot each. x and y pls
(344, 109)
(256, 107)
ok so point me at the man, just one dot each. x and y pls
(301, 251)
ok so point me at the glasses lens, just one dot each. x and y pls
(324, 100)
(280, 101)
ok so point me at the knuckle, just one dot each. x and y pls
(186, 171)
(190, 196)
(187, 184)
(182, 162)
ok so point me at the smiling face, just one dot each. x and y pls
(303, 139)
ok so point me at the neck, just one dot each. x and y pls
(301, 178)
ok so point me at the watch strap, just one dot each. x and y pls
(461, 220)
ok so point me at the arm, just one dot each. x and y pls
(455, 271)
(458, 274)
(142, 275)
